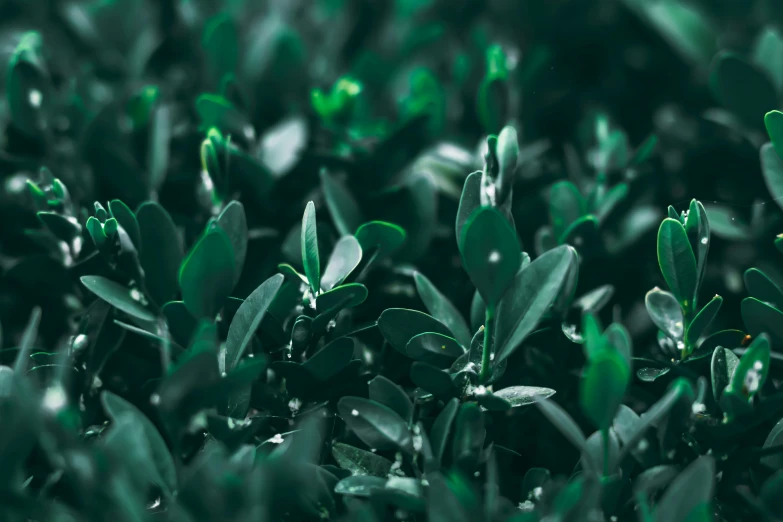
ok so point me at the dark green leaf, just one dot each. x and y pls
(760, 317)
(442, 309)
(388, 237)
(703, 320)
(603, 387)
(697, 228)
(234, 222)
(118, 296)
(221, 45)
(773, 120)
(376, 425)
(206, 276)
(566, 425)
(359, 485)
(772, 168)
(385, 392)
(63, 227)
(248, 318)
(331, 359)
(752, 370)
(345, 257)
(310, 258)
(529, 297)
(490, 253)
(742, 88)
(399, 325)
(345, 296)
(433, 379)
(469, 201)
(28, 87)
(760, 286)
(360, 462)
(161, 252)
(341, 204)
(127, 220)
(469, 436)
(692, 488)
(441, 428)
(566, 205)
(524, 395)
(677, 262)
(724, 363)
(775, 438)
(437, 349)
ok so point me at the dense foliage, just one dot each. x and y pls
(391, 260)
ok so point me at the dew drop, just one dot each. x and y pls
(154, 399)
(494, 256)
(704, 241)
(355, 413)
(277, 439)
(35, 98)
(135, 294)
(54, 399)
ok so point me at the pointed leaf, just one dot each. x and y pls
(234, 222)
(722, 368)
(161, 252)
(360, 462)
(385, 392)
(206, 277)
(437, 349)
(677, 262)
(310, 259)
(703, 320)
(118, 296)
(442, 309)
(376, 425)
(399, 325)
(345, 257)
(341, 204)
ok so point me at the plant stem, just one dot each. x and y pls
(605, 439)
(489, 325)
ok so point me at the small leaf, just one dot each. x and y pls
(161, 252)
(508, 156)
(433, 379)
(742, 88)
(399, 325)
(566, 205)
(221, 45)
(775, 438)
(28, 86)
(724, 363)
(234, 222)
(469, 201)
(442, 309)
(692, 488)
(760, 286)
(677, 262)
(63, 227)
(773, 120)
(768, 54)
(127, 220)
(345, 257)
(359, 485)
(345, 296)
(469, 436)
(772, 169)
(603, 387)
(519, 396)
(697, 228)
(360, 462)
(490, 253)
(310, 259)
(116, 407)
(703, 320)
(118, 296)
(385, 392)
(437, 349)
(342, 205)
(532, 291)
(248, 318)
(651, 374)
(760, 317)
(376, 425)
(752, 370)
(441, 428)
(206, 276)
(331, 359)
(388, 237)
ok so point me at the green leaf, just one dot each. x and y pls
(125, 440)
(221, 45)
(118, 296)
(385, 392)
(677, 262)
(345, 257)
(469, 436)
(63, 227)
(697, 228)
(216, 111)
(773, 120)
(360, 462)
(666, 313)
(161, 252)
(28, 86)
(310, 259)
(469, 201)
(342, 206)
(603, 387)
(441, 428)
(331, 359)
(527, 300)
(442, 309)
(768, 54)
(127, 220)
(206, 276)
(234, 223)
(388, 237)
(490, 253)
(437, 349)
(619, 337)
(445, 504)
(376, 425)
(508, 156)
(519, 396)
(722, 368)
(566, 205)
(345, 296)
(775, 438)
(433, 379)
(399, 325)
(568, 428)
(752, 370)
(692, 488)
(116, 407)
(760, 317)
(27, 343)
(772, 169)
(760, 286)
(703, 320)
(742, 88)
(359, 485)
(248, 318)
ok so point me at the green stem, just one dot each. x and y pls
(605, 439)
(489, 325)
